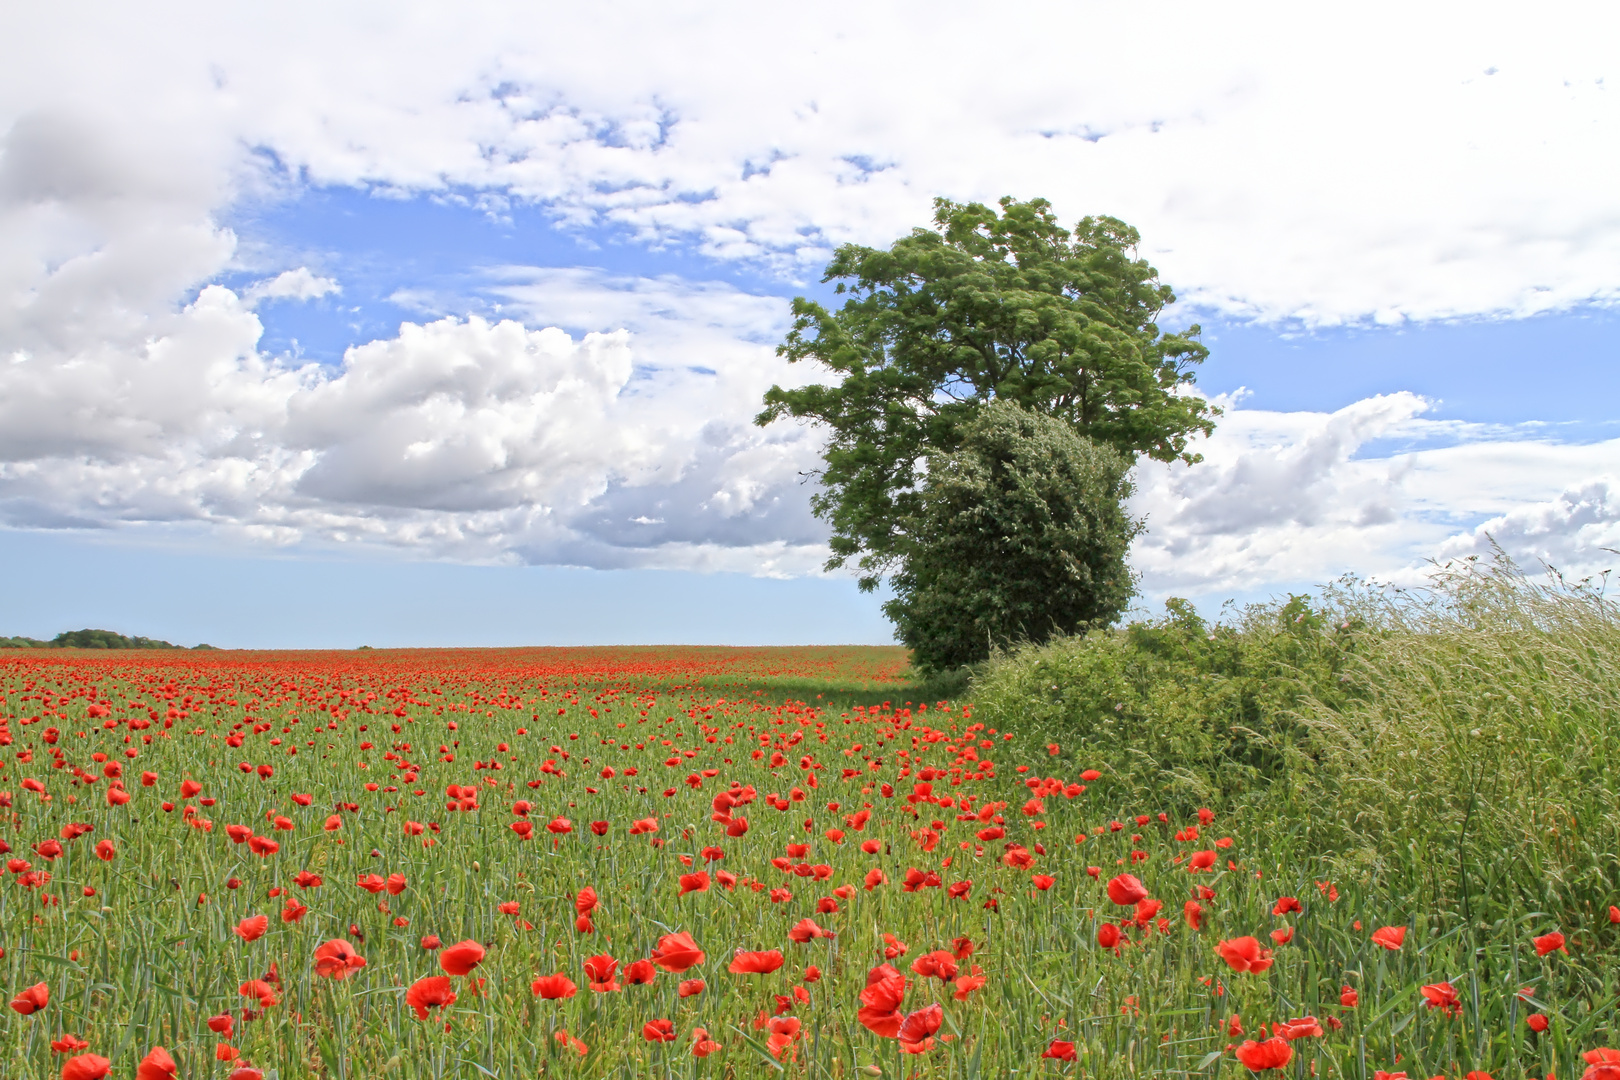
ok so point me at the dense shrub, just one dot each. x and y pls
(1460, 743)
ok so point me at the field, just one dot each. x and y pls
(502, 840)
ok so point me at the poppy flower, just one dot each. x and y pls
(1547, 943)
(691, 988)
(586, 901)
(1244, 954)
(156, 1065)
(702, 1044)
(1286, 905)
(1059, 1050)
(105, 851)
(1537, 1022)
(1126, 889)
(431, 942)
(1274, 1053)
(461, 958)
(1283, 935)
(785, 1031)
(698, 882)
(658, 1031)
(552, 987)
(755, 963)
(640, 973)
(1194, 913)
(221, 1024)
(600, 972)
(806, 930)
(966, 984)
(1602, 1064)
(32, 1000)
(260, 990)
(1442, 996)
(1305, 1027)
(395, 884)
(880, 1002)
(86, 1067)
(293, 911)
(1390, 937)
(1200, 860)
(1108, 936)
(677, 952)
(938, 964)
(1349, 998)
(67, 1044)
(432, 992)
(335, 959)
(917, 1030)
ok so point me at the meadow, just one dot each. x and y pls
(694, 862)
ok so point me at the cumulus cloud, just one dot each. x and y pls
(1284, 162)
(299, 284)
(1296, 499)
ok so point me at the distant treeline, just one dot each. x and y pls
(90, 639)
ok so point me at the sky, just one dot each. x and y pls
(402, 324)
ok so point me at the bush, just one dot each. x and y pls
(1458, 743)
(1021, 536)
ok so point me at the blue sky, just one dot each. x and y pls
(462, 344)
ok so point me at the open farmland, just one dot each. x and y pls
(629, 862)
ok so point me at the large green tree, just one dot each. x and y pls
(985, 306)
(1022, 536)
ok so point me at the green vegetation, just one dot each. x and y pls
(1026, 538)
(90, 639)
(985, 307)
(1455, 746)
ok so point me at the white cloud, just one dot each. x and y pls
(299, 284)
(1283, 161)
(1296, 499)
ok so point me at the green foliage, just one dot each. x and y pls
(1020, 535)
(89, 639)
(1418, 735)
(1178, 706)
(986, 306)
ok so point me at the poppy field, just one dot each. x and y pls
(693, 862)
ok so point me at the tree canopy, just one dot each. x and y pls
(1022, 536)
(985, 306)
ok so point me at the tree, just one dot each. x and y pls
(1022, 536)
(984, 307)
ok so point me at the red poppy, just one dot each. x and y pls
(86, 1067)
(335, 959)
(1537, 1022)
(1349, 998)
(938, 964)
(1442, 996)
(1286, 905)
(1283, 935)
(1245, 954)
(690, 988)
(1059, 1050)
(806, 930)
(67, 1044)
(755, 963)
(966, 984)
(658, 1031)
(432, 992)
(1390, 937)
(1551, 942)
(1274, 1053)
(245, 1072)
(1305, 1027)
(917, 1030)
(702, 1044)
(600, 972)
(552, 987)
(880, 1002)
(461, 958)
(1200, 860)
(395, 884)
(1602, 1064)
(698, 882)
(156, 1065)
(221, 1024)
(640, 973)
(585, 901)
(106, 852)
(1108, 936)
(431, 942)
(677, 952)
(1194, 913)
(32, 1000)
(1125, 890)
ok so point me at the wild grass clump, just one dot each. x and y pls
(1458, 743)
